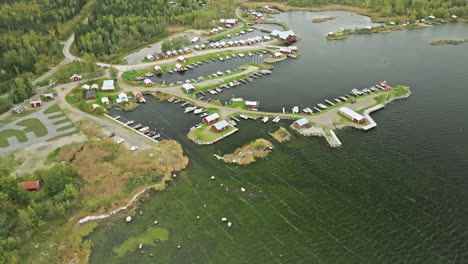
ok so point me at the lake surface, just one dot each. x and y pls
(395, 194)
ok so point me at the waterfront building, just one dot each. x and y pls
(220, 126)
(285, 50)
(252, 104)
(157, 69)
(122, 98)
(355, 117)
(286, 36)
(148, 82)
(189, 88)
(276, 55)
(303, 122)
(211, 118)
(180, 67)
(181, 59)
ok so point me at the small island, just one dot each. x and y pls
(449, 41)
(247, 154)
(322, 19)
(281, 135)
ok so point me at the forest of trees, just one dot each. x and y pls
(29, 44)
(116, 27)
(23, 213)
(410, 8)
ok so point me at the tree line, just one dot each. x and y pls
(24, 213)
(29, 43)
(387, 8)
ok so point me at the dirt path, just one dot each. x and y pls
(68, 58)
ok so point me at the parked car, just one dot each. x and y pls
(120, 141)
(133, 148)
(111, 135)
(149, 46)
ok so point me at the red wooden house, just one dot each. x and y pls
(90, 94)
(303, 122)
(211, 118)
(357, 118)
(36, 103)
(32, 186)
(220, 126)
(148, 82)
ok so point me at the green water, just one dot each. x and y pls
(395, 194)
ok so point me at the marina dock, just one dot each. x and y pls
(134, 130)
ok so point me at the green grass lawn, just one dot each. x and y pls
(205, 133)
(18, 116)
(54, 108)
(4, 134)
(64, 128)
(56, 116)
(61, 121)
(34, 125)
(238, 104)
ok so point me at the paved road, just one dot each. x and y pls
(68, 58)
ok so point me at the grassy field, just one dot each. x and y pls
(34, 125)
(8, 163)
(52, 109)
(76, 97)
(4, 134)
(205, 134)
(12, 118)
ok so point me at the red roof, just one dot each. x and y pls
(31, 185)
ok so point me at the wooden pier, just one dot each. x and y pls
(136, 131)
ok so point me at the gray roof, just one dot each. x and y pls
(212, 117)
(302, 121)
(221, 124)
(351, 113)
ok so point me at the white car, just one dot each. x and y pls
(120, 141)
(134, 148)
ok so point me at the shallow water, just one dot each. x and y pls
(395, 194)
